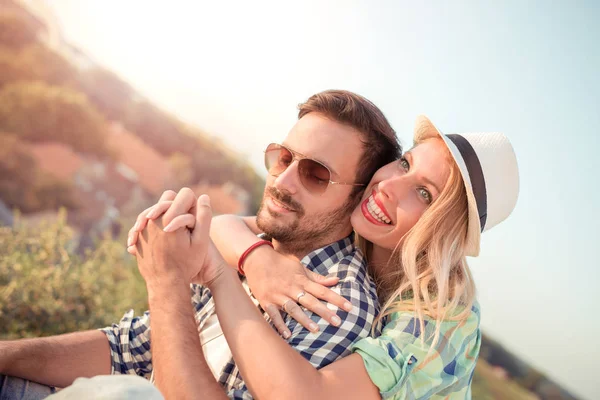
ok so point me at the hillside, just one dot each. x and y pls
(57, 106)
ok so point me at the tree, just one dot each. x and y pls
(46, 65)
(24, 186)
(17, 31)
(35, 62)
(41, 112)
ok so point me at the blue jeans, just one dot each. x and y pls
(12, 388)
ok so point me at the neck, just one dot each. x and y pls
(379, 256)
(283, 248)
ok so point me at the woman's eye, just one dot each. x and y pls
(424, 193)
(404, 164)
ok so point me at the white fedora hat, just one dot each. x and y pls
(488, 166)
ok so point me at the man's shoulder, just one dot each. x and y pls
(351, 267)
(353, 274)
(344, 260)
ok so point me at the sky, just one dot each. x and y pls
(528, 69)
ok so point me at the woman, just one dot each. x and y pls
(418, 220)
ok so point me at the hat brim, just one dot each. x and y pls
(425, 129)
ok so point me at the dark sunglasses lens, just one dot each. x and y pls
(313, 175)
(277, 159)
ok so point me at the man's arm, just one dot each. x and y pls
(168, 263)
(180, 368)
(56, 360)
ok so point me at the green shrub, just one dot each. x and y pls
(47, 289)
(40, 112)
(23, 185)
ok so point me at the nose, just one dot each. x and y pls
(288, 181)
(392, 184)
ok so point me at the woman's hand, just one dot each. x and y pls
(281, 283)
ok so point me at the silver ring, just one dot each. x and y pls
(284, 304)
(298, 296)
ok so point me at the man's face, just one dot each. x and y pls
(291, 214)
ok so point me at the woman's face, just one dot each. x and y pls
(400, 192)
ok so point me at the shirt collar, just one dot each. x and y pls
(320, 260)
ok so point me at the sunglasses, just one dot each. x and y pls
(314, 175)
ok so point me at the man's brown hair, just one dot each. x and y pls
(380, 143)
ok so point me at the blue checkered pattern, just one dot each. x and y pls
(130, 339)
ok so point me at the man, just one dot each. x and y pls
(305, 209)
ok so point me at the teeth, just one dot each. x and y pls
(376, 212)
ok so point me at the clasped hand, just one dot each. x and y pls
(180, 256)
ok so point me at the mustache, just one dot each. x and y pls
(285, 199)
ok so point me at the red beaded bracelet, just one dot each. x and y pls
(248, 251)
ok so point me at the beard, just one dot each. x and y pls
(303, 233)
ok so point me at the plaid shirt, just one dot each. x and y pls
(130, 340)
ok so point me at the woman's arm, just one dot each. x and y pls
(270, 367)
(233, 235)
(273, 278)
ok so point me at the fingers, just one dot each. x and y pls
(313, 304)
(184, 203)
(186, 220)
(163, 204)
(277, 320)
(328, 295)
(296, 312)
(156, 211)
(132, 235)
(142, 220)
(323, 280)
(203, 219)
(168, 195)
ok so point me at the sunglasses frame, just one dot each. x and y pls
(298, 157)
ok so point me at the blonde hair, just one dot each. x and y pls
(427, 273)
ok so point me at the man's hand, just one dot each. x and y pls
(169, 259)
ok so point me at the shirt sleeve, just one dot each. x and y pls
(388, 358)
(402, 364)
(240, 394)
(387, 366)
(331, 342)
(129, 343)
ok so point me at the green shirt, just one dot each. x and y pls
(399, 365)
